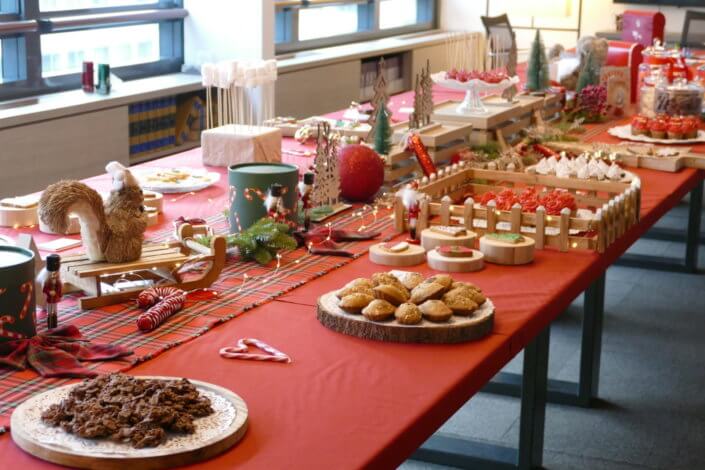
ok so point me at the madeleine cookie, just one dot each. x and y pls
(435, 311)
(408, 314)
(392, 294)
(378, 310)
(360, 281)
(469, 291)
(354, 303)
(460, 303)
(426, 291)
(381, 279)
(408, 278)
(443, 279)
(359, 289)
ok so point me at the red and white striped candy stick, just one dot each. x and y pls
(241, 351)
(164, 308)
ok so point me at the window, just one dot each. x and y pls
(303, 24)
(43, 43)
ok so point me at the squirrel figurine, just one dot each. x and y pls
(112, 231)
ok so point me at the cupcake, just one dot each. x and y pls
(675, 130)
(657, 129)
(640, 125)
(690, 127)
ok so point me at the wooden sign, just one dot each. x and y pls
(617, 82)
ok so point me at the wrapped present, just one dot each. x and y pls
(235, 143)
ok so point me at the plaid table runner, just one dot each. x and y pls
(116, 324)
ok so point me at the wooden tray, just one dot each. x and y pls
(214, 435)
(456, 330)
(631, 155)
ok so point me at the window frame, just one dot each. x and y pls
(287, 24)
(21, 46)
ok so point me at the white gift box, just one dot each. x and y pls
(235, 143)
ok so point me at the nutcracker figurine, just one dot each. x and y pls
(52, 289)
(305, 191)
(274, 203)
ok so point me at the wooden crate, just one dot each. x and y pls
(639, 155)
(616, 204)
(504, 122)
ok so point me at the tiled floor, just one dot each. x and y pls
(652, 380)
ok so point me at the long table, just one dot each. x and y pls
(348, 403)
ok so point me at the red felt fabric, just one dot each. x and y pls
(349, 403)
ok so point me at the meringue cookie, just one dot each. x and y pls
(543, 168)
(583, 172)
(614, 173)
(552, 162)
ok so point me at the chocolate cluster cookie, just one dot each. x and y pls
(128, 409)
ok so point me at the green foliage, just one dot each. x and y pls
(589, 74)
(260, 242)
(383, 131)
(537, 69)
(489, 150)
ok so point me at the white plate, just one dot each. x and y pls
(196, 179)
(625, 132)
(481, 86)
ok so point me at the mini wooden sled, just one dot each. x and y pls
(161, 263)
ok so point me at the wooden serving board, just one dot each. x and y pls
(214, 434)
(435, 134)
(456, 265)
(412, 256)
(456, 330)
(631, 155)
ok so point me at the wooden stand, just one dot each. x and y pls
(642, 155)
(500, 252)
(430, 239)
(504, 122)
(412, 256)
(28, 432)
(456, 264)
(159, 262)
(456, 330)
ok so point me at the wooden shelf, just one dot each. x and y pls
(165, 152)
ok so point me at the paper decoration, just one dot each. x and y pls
(326, 189)
(617, 81)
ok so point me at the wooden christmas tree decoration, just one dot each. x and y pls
(381, 97)
(427, 94)
(537, 78)
(326, 189)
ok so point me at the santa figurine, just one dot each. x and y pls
(274, 203)
(305, 192)
(52, 289)
(410, 199)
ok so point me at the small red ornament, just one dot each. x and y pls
(361, 172)
(419, 149)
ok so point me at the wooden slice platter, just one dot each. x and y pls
(214, 434)
(411, 256)
(431, 238)
(462, 264)
(456, 330)
(500, 252)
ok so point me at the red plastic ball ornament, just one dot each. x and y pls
(361, 172)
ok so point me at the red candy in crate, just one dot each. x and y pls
(415, 145)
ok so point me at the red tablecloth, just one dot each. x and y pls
(349, 403)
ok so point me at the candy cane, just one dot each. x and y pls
(150, 297)
(165, 308)
(27, 288)
(7, 319)
(240, 352)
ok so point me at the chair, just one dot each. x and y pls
(500, 35)
(693, 37)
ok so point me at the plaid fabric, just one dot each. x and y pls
(116, 324)
(58, 353)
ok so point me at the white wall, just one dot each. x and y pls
(596, 15)
(599, 15)
(228, 29)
